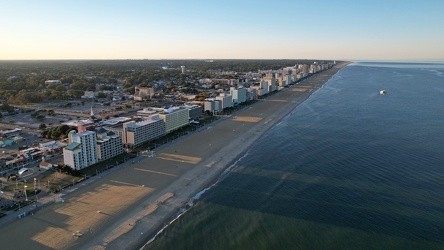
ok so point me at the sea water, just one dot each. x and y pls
(347, 169)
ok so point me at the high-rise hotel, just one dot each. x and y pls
(88, 147)
(81, 151)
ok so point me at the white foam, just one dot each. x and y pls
(195, 198)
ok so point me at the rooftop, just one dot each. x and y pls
(72, 146)
(142, 123)
(115, 121)
(76, 123)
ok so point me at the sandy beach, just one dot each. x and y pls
(126, 206)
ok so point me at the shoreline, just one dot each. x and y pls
(158, 233)
(188, 205)
(125, 208)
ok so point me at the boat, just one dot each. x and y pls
(382, 92)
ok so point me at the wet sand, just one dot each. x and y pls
(126, 206)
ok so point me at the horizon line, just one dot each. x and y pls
(203, 59)
(207, 59)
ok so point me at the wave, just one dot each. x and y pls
(437, 72)
(221, 177)
(399, 64)
(196, 198)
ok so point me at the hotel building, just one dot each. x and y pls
(136, 133)
(226, 100)
(238, 95)
(108, 144)
(210, 105)
(81, 151)
(174, 118)
(194, 111)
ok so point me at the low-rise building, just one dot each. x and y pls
(51, 146)
(45, 165)
(11, 133)
(88, 95)
(143, 93)
(48, 82)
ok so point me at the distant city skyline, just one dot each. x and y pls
(243, 29)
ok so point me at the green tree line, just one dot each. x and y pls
(24, 81)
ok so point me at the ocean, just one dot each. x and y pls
(347, 169)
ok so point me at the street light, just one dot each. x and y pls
(26, 196)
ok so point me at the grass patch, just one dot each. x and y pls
(56, 181)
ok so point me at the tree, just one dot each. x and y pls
(42, 126)
(56, 94)
(44, 133)
(5, 107)
(101, 95)
(64, 129)
(60, 88)
(75, 93)
(55, 134)
(128, 83)
(129, 90)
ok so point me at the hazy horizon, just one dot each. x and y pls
(326, 30)
(203, 59)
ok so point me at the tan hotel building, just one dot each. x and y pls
(174, 118)
(137, 133)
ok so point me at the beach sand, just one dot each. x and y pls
(126, 206)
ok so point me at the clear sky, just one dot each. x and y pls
(212, 29)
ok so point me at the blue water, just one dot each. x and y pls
(347, 169)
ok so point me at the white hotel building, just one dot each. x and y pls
(226, 100)
(157, 123)
(238, 95)
(81, 151)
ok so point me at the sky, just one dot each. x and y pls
(222, 29)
